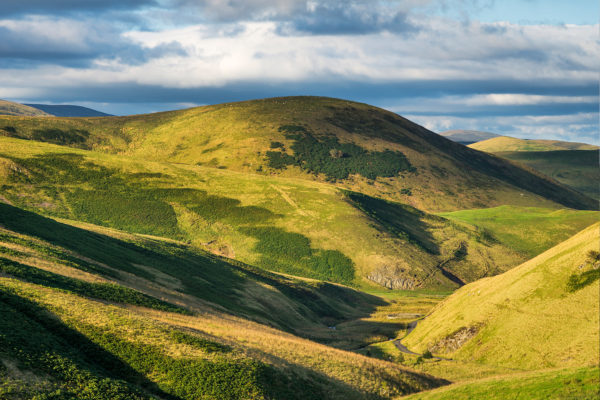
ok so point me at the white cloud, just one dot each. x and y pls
(226, 54)
(522, 99)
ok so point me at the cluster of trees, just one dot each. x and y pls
(334, 159)
(291, 253)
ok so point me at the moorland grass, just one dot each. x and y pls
(578, 169)
(61, 362)
(229, 284)
(256, 361)
(238, 214)
(506, 143)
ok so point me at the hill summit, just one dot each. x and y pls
(357, 146)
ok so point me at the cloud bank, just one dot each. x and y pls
(445, 72)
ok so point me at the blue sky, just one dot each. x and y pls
(526, 68)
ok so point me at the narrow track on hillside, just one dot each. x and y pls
(404, 349)
(288, 199)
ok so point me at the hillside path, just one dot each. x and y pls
(398, 342)
(288, 199)
(404, 349)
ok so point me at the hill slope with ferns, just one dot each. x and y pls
(289, 225)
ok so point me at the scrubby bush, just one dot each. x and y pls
(590, 274)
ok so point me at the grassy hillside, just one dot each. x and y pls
(573, 164)
(507, 143)
(102, 314)
(573, 383)
(11, 108)
(356, 146)
(289, 225)
(579, 169)
(542, 314)
(527, 230)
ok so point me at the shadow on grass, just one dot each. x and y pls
(203, 275)
(398, 219)
(40, 342)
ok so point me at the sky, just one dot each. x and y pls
(524, 68)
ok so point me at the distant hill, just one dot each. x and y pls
(579, 169)
(12, 108)
(541, 314)
(574, 164)
(507, 143)
(467, 137)
(66, 110)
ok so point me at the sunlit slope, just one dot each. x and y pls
(360, 147)
(11, 108)
(101, 314)
(507, 143)
(565, 384)
(177, 273)
(527, 230)
(541, 314)
(289, 225)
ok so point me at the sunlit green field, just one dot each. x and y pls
(567, 384)
(528, 230)
(541, 314)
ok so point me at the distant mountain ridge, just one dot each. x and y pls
(68, 110)
(466, 137)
